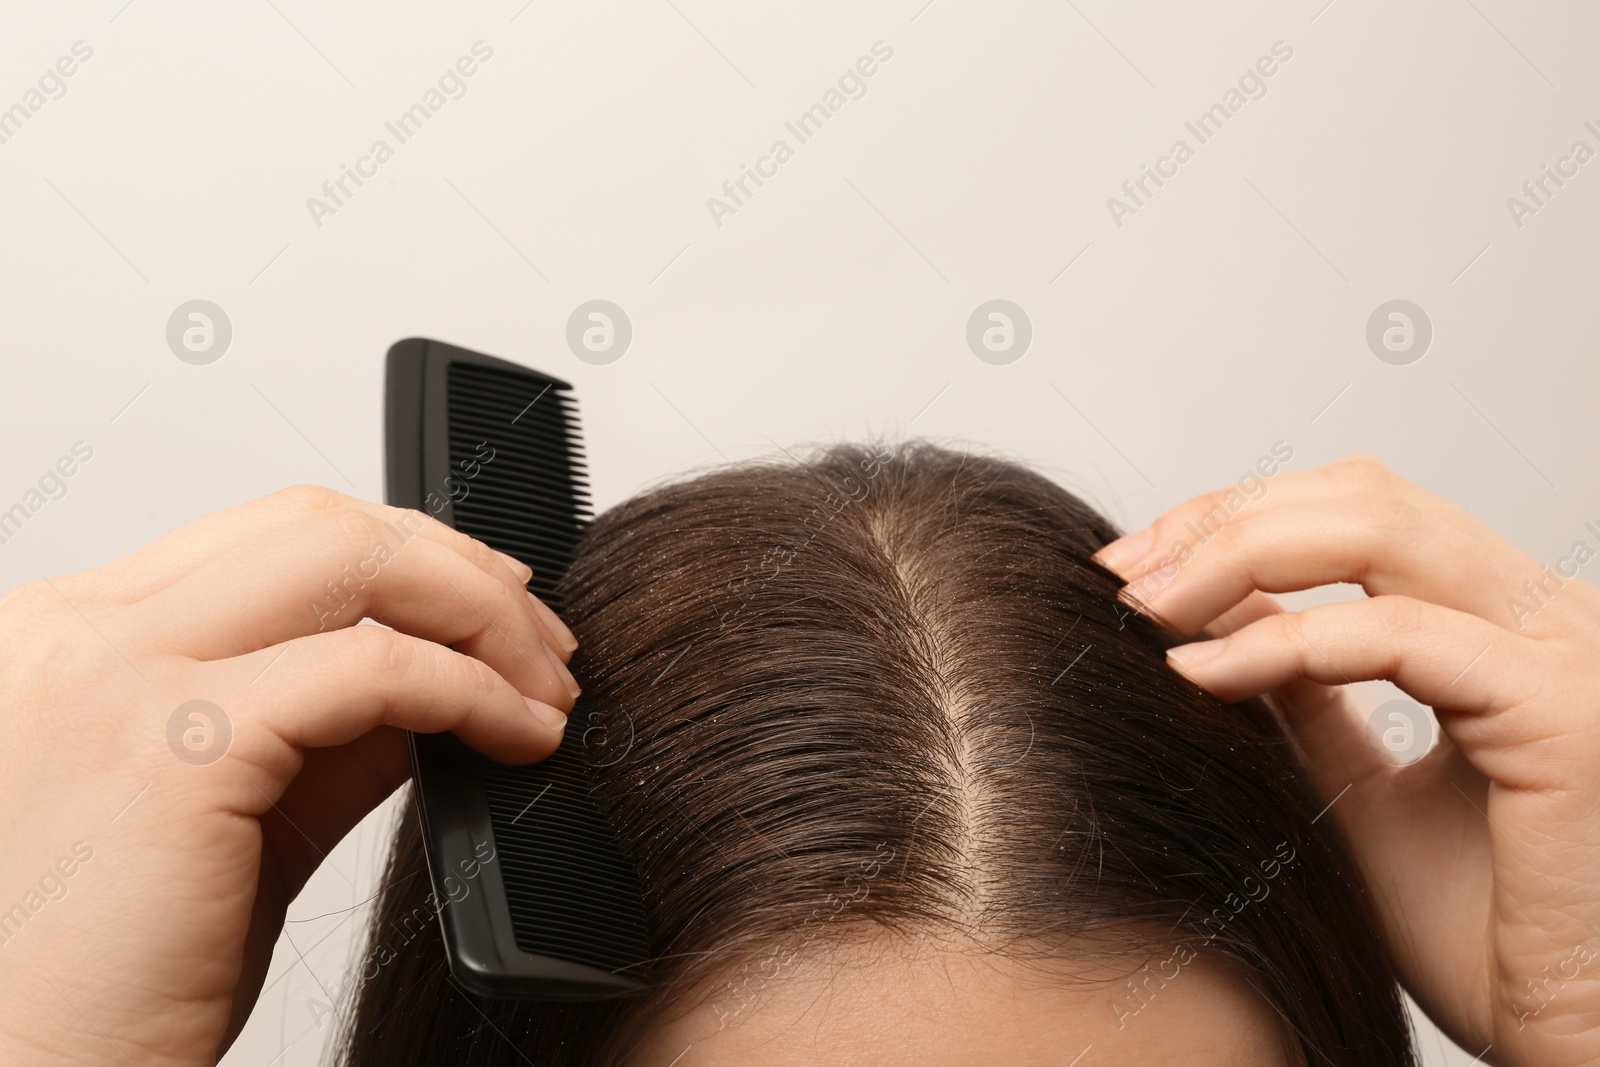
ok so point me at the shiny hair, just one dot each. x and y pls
(888, 689)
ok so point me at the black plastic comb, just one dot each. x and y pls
(493, 450)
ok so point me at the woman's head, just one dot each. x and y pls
(908, 783)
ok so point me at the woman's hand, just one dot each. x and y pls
(1483, 858)
(149, 846)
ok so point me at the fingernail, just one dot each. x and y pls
(562, 672)
(546, 714)
(1194, 652)
(518, 567)
(1121, 554)
(553, 623)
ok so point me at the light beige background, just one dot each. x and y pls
(1227, 314)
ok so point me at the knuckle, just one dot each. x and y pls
(417, 521)
(481, 554)
(507, 605)
(382, 652)
(414, 520)
(481, 679)
(1285, 628)
(1200, 519)
(308, 497)
(352, 528)
(1400, 614)
(466, 676)
(1218, 513)
(1209, 507)
(495, 619)
(415, 663)
(1373, 475)
(1367, 465)
(1393, 516)
(1247, 540)
(475, 551)
(1360, 474)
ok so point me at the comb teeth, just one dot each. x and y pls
(530, 499)
(569, 898)
(571, 893)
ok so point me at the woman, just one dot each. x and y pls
(892, 729)
(909, 782)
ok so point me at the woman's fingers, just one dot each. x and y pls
(1423, 648)
(280, 515)
(184, 550)
(499, 565)
(1351, 522)
(1457, 663)
(339, 566)
(1284, 550)
(1257, 605)
(560, 638)
(1339, 750)
(333, 688)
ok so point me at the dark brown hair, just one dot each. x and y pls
(889, 688)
